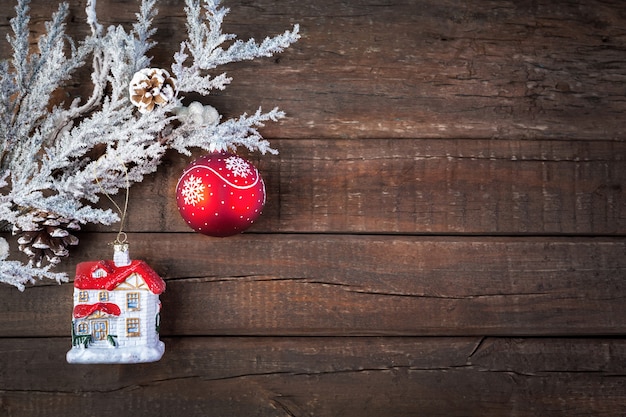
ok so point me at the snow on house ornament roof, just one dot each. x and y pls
(115, 275)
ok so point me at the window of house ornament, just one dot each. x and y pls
(132, 327)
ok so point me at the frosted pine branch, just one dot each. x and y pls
(58, 159)
(204, 45)
(19, 275)
(144, 31)
(232, 133)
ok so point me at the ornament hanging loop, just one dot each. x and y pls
(121, 238)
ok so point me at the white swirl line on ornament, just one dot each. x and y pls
(239, 187)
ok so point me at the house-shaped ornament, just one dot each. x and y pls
(116, 313)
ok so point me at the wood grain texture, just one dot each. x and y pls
(445, 231)
(421, 186)
(326, 377)
(439, 69)
(361, 285)
(429, 68)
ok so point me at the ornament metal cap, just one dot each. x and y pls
(121, 255)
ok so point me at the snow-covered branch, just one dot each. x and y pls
(58, 159)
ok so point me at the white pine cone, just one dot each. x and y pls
(47, 238)
(150, 87)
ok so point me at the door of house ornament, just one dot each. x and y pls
(100, 330)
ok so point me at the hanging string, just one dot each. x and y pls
(121, 237)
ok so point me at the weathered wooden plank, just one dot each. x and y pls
(325, 377)
(359, 285)
(420, 186)
(476, 69)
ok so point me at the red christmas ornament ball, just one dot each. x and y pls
(220, 194)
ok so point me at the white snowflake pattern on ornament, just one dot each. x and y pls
(193, 190)
(238, 166)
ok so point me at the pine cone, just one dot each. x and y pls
(149, 87)
(48, 240)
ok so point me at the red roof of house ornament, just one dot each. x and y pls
(84, 310)
(115, 275)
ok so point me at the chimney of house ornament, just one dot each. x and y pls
(121, 256)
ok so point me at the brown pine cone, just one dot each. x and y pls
(48, 240)
(150, 87)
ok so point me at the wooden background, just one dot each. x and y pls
(444, 233)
